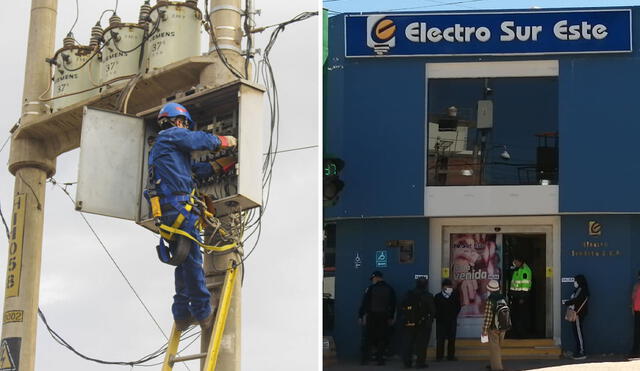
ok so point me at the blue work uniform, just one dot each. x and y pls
(170, 158)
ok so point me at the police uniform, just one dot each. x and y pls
(379, 306)
(519, 293)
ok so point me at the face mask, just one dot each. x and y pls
(575, 284)
(448, 290)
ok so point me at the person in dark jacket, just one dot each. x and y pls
(447, 308)
(579, 300)
(377, 312)
(419, 310)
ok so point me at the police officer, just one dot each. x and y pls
(519, 294)
(419, 310)
(170, 169)
(377, 312)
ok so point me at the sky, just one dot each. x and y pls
(82, 294)
(342, 6)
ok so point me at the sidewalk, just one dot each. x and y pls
(612, 363)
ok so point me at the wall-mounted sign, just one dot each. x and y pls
(445, 272)
(568, 279)
(549, 272)
(357, 261)
(488, 33)
(595, 228)
(381, 259)
(416, 276)
(405, 250)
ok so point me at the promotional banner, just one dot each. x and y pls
(488, 33)
(475, 259)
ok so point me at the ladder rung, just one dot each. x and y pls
(188, 358)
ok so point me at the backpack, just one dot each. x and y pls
(416, 309)
(501, 315)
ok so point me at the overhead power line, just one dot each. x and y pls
(140, 362)
(104, 247)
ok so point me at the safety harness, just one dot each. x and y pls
(187, 219)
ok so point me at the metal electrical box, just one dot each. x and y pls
(234, 109)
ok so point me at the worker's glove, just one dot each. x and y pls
(223, 164)
(227, 141)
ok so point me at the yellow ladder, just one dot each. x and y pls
(211, 356)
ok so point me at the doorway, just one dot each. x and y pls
(478, 253)
(531, 249)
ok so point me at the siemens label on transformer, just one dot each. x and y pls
(527, 32)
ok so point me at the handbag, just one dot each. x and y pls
(572, 315)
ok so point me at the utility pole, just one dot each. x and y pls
(225, 18)
(31, 162)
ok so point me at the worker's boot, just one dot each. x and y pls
(183, 324)
(207, 323)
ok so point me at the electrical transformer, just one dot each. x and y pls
(114, 150)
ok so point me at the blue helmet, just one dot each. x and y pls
(171, 110)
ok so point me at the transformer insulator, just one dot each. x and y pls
(96, 35)
(145, 10)
(69, 41)
(114, 20)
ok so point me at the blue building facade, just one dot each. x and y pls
(566, 198)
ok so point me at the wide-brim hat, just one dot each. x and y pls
(493, 285)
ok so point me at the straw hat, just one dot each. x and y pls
(493, 285)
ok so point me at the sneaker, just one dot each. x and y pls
(579, 356)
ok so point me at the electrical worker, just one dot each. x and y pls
(519, 294)
(170, 169)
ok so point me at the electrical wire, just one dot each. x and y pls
(6, 227)
(214, 39)
(77, 15)
(32, 190)
(104, 247)
(5, 143)
(140, 362)
(248, 25)
(294, 149)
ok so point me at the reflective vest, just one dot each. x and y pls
(521, 280)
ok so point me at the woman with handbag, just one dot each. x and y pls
(577, 309)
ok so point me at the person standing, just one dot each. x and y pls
(447, 304)
(171, 172)
(579, 303)
(496, 336)
(635, 309)
(419, 310)
(377, 312)
(519, 294)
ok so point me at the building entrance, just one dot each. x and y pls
(528, 307)
(474, 255)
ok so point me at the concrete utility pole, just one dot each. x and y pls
(31, 163)
(225, 18)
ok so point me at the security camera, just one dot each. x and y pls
(488, 91)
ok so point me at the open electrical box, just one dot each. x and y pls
(114, 151)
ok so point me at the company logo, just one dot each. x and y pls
(595, 228)
(381, 34)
